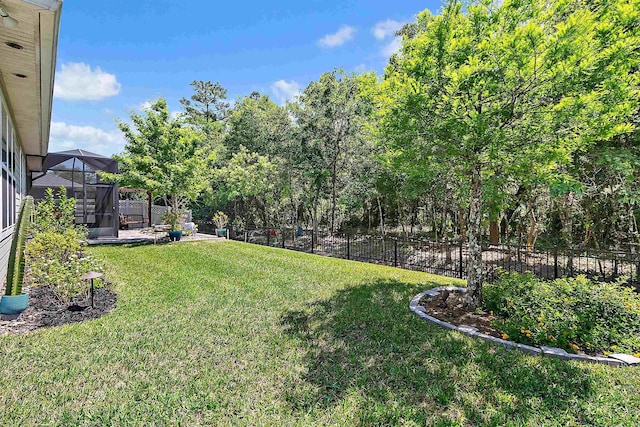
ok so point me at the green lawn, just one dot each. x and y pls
(235, 334)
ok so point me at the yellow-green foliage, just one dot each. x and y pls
(58, 260)
(574, 314)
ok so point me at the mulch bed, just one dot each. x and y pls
(46, 310)
(451, 309)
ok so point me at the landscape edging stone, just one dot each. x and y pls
(618, 360)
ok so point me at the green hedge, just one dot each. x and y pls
(574, 314)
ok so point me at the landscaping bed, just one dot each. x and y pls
(45, 309)
(568, 316)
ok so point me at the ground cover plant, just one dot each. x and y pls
(230, 333)
(571, 313)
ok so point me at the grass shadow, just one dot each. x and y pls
(362, 344)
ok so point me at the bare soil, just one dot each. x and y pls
(452, 310)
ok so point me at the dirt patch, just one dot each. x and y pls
(46, 310)
(449, 306)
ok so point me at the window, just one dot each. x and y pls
(13, 170)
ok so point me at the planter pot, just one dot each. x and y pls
(14, 304)
(221, 232)
(175, 236)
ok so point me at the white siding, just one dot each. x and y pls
(13, 180)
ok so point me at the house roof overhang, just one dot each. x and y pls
(27, 73)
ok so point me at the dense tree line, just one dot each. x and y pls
(504, 122)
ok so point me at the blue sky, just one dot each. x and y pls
(115, 55)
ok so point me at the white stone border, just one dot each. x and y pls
(618, 359)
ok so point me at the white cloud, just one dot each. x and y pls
(284, 90)
(145, 106)
(67, 137)
(392, 47)
(77, 81)
(360, 68)
(340, 37)
(387, 28)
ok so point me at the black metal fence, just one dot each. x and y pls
(450, 258)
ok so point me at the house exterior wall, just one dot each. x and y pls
(12, 183)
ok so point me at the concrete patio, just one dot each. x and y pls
(146, 236)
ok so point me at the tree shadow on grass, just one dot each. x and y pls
(364, 346)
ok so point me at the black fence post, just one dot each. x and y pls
(313, 234)
(555, 263)
(348, 247)
(283, 237)
(395, 252)
(460, 260)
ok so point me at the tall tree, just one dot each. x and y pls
(490, 89)
(258, 124)
(207, 107)
(253, 179)
(163, 156)
(331, 118)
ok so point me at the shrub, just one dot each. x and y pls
(56, 254)
(58, 260)
(54, 213)
(570, 313)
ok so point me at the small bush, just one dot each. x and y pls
(58, 260)
(55, 254)
(570, 313)
(54, 213)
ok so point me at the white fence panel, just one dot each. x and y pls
(139, 207)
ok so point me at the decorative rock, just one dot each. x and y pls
(509, 344)
(432, 293)
(422, 314)
(467, 330)
(555, 352)
(420, 309)
(626, 358)
(535, 351)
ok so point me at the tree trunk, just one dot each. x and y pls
(473, 298)
(314, 219)
(532, 233)
(414, 216)
(463, 225)
(333, 197)
(494, 232)
(381, 216)
(566, 216)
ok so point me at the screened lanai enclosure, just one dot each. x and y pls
(77, 171)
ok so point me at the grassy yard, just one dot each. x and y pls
(234, 334)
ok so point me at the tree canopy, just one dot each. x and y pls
(163, 156)
(507, 91)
